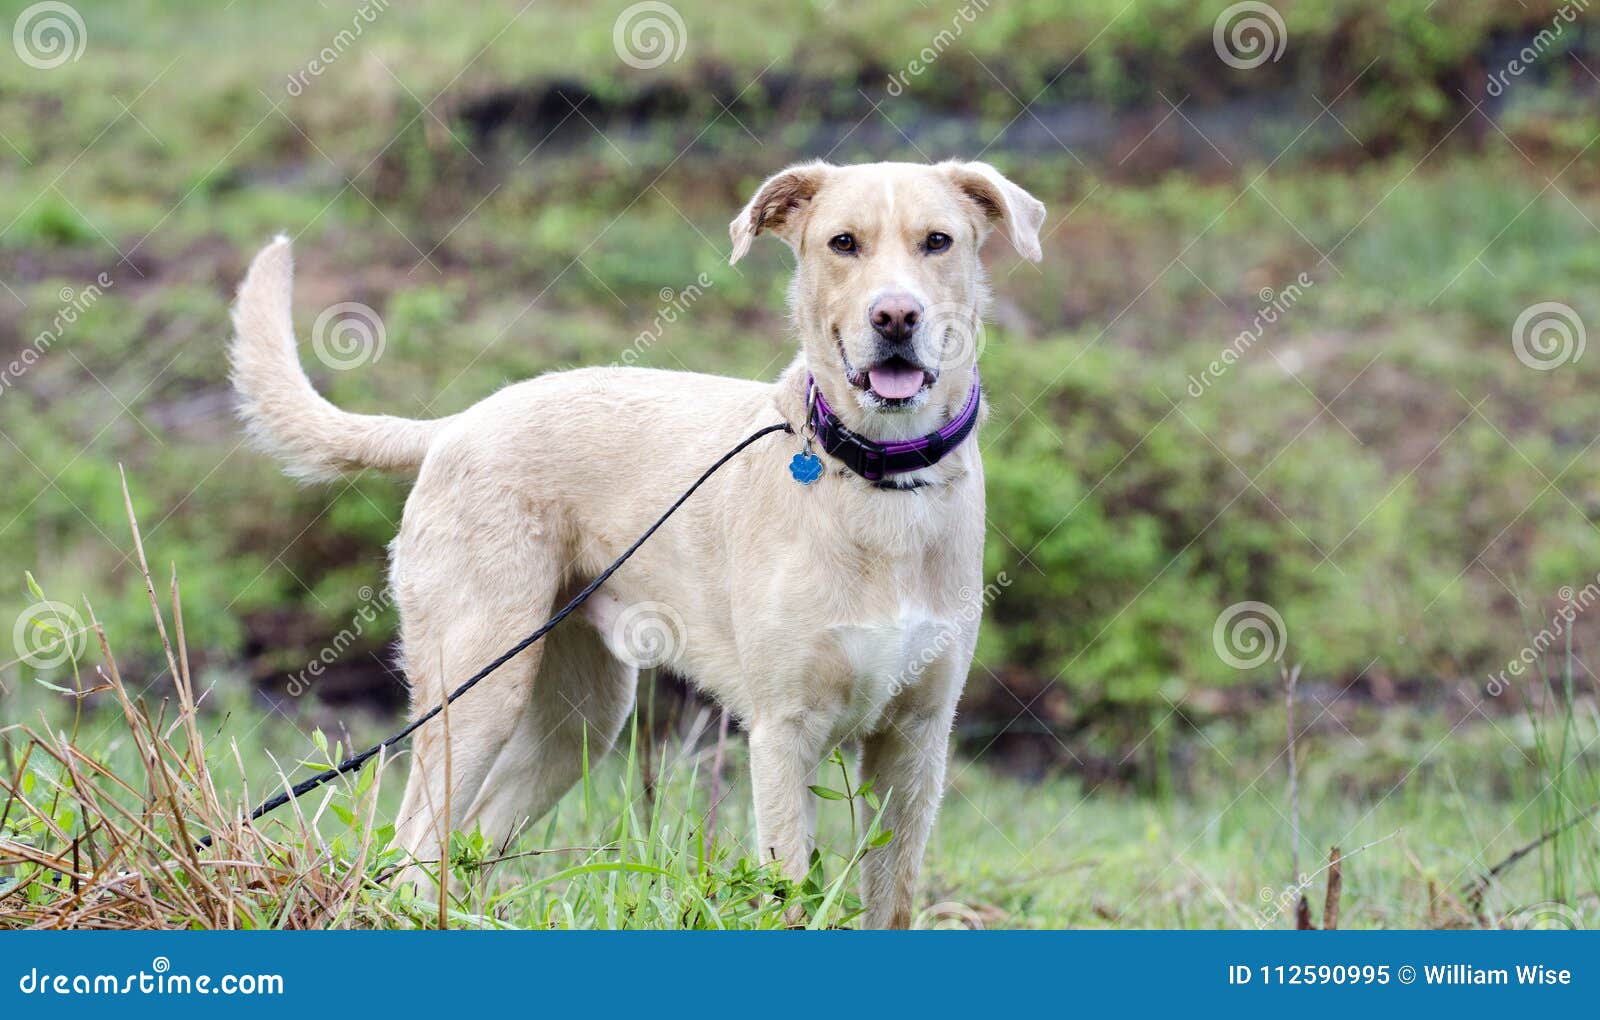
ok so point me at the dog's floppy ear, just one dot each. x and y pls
(776, 205)
(1002, 203)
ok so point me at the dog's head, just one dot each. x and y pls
(888, 292)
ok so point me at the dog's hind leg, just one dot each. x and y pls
(474, 732)
(581, 698)
(470, 581)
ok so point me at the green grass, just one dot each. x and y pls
(121, 774)
(1421, 807)
(1215, 853)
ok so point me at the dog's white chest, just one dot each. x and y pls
(886, 658)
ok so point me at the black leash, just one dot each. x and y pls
(356, 761)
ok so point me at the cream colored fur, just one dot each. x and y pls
(808, 611)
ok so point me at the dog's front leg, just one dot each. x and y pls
(905, 760)
(784, 754)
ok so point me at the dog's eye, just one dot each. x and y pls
(844, 244)
(936, 242)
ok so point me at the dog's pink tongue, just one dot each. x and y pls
(895, 382)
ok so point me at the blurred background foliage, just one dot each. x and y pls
(513, 198)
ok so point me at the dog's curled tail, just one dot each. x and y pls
(285, 415)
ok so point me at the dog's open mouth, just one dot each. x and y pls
(894, 381)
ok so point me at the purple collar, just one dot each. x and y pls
(876, 461)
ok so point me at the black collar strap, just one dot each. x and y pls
(877, 461)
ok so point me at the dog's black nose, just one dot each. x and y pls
(895, 316)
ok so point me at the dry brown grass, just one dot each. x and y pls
(90, 846)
